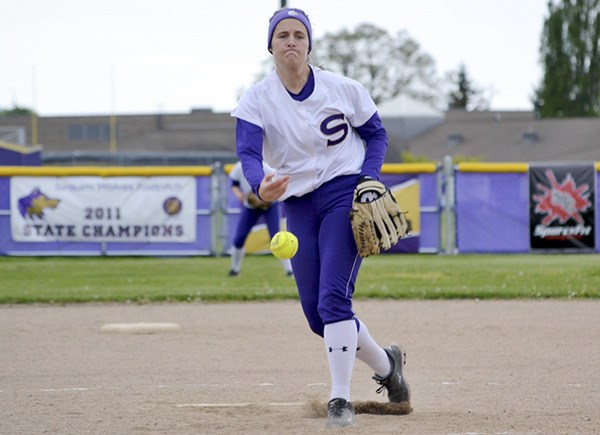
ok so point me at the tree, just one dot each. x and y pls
(570, 85)
(465, 94)
(386, 65)
(16, 110)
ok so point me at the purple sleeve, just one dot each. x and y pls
(249, 140)
(375, 136)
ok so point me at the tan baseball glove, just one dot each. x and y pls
(255, 202)
(377, 220)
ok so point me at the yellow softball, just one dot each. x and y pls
(284, 244)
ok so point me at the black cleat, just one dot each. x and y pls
(396, 385)
(340, 413)
(233, 273)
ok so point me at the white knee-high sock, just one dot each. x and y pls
(237, 257)
(287, 265)
(371, 353)
(340, 345)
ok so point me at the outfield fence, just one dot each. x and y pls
(190, 210)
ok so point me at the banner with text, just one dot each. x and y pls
(561, 212)
(115, 209)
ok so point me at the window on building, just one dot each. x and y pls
(89, 132)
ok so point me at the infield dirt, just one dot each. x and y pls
(474, 367)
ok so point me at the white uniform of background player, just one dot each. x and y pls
(249, 216)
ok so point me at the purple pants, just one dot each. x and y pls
(327, 262)
(248, 219)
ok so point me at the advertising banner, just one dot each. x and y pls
(407, 191)
(109, 209)
(562, 210)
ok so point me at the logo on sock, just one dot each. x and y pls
(343, 349)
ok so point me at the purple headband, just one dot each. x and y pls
(289, 13)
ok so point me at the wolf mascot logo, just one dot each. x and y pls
(33, 205)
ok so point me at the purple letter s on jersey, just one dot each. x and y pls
(336, 128)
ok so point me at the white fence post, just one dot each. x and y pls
(215, 209)
(448, 206)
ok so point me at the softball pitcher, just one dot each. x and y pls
(322, 134)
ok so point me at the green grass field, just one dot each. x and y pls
(145, 279)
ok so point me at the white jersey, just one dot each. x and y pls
(312, 141)
(237, 174)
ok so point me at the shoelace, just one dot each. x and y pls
(383, 384)
(336, 409)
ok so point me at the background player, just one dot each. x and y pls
(252, 209)
(312, 126)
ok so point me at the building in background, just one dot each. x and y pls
(204, 137)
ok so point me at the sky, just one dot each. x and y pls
(84, 57)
